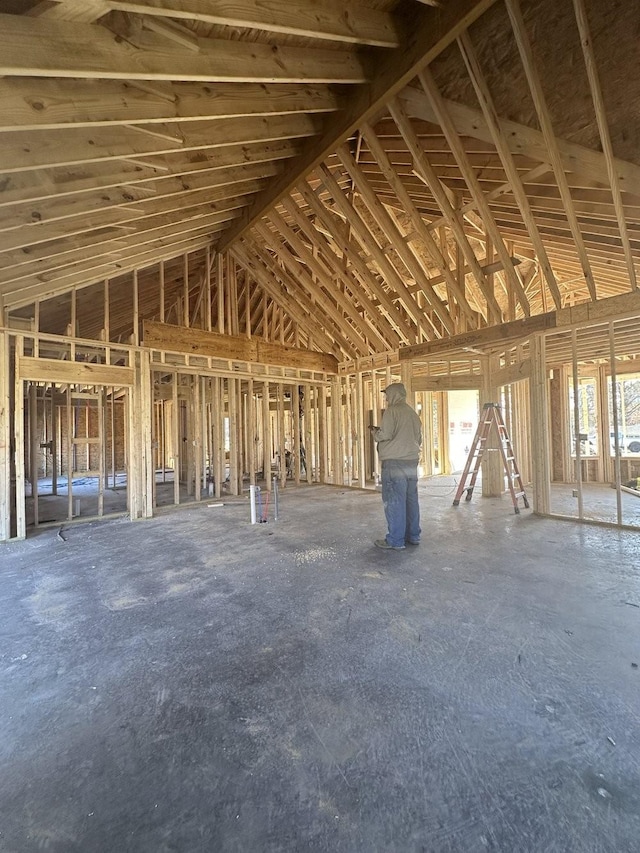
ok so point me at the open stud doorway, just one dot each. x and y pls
(75, 453)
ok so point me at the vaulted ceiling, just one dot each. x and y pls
(383, 173)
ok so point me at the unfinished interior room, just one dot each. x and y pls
(225, 230)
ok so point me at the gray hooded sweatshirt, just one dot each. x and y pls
(399, 435)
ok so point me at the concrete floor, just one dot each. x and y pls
(193, 683)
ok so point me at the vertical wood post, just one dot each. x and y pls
(336, 432)
(18, 433)
(146, 462)
(266, 436)
(295, 417)
(252, 431)
(539, 427)
(218, 433)
(34, 447)
(282, 461)
(308, 434)
(361, 431)
(492, 466)
(233, 436)
(322, 436)
(444, 461)
(207, 285)
(5, 439)
(220, 291)
(175, 437)
(185, 276)
(197, 437)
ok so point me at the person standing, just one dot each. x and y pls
(399, 439)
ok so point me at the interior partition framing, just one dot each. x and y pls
(592, 392)
(222, 422)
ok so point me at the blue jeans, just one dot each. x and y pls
(400, 500)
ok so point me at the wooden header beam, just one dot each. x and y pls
(73, 372)
(587, 312)
(162, 336)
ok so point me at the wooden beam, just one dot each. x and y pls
(513, 373)
(583, 163)
(355, 326)
(73, 372)
(22, 187)
(29, 215)
(455, 382)
(31, 47)
(42, 287)
(329, 20)
(488, 336)
(79, 11)
(25, 151)
(282, 288)
(389, 273)
(297, 278)
(429, 85)
(48, 261)
(162, 336)
(58, 104)
(355, 263)
(493, 337)
(345, 287)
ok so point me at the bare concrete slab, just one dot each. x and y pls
(193, 683)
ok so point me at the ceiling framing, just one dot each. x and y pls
(372, 176)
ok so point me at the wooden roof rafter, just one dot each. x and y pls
(382, 194)
(343, 287)
(321, 288)
(262, 266)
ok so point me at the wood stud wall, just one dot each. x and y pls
(313, 225)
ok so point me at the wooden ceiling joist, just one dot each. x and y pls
(603, 129)
(213, 201)
(72, 148)
(366, 278)
(59, 104)
(31, 47)
(33, 186)
(390, 275)
(329, 21)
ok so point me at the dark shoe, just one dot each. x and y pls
(411, 542)
(382, 543)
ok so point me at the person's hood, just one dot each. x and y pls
(395, 393)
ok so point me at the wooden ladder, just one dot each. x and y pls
(491, 415)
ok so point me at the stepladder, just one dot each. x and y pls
(491, 418)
